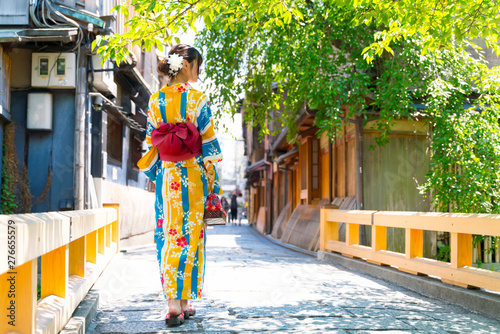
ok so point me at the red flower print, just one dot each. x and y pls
(175, 185)
(181, 89)
(181, 242)
(172, 232)
(159, 223)
(201, 234)
(199, 292)
(189, 118)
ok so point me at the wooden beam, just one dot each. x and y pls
(379, 238)
(108, 235)
(101, 236)
(468, 223)
(362, 217)
(115, 229)
(351, 234)
(414, 246)
(91, 247)
(461, 250)
(77, 257)
(328, 230)
(55, 272)
(482, 278)
(18, 290)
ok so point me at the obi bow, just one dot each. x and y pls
(176, 142)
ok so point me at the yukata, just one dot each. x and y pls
(181, 191)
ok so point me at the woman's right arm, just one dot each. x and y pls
(210, 147)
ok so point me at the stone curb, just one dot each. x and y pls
(83, 315)
(291, 247)
(475, 300)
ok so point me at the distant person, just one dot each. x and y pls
(225, 204)
(240, 203)
(234, 209)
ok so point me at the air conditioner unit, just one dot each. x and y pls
(104, 81)
(53, 70)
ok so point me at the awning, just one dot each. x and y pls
(259, 165)
(64, 35)
(292, 152)
(280, 140)
(133, 82)
(81, 15)
(118, 112)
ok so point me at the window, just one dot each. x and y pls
(44, 66)
(315, 164)
(115, 140)
(136, 154)
(61, 66)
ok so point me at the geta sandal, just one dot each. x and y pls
(175, 320)
(190, 312)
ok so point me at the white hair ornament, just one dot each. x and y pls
(175, 63)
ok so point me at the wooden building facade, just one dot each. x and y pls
(351, 172)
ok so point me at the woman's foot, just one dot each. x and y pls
(188, 309)
(175, 316)
(174, 307)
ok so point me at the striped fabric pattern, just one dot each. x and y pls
(181, 191)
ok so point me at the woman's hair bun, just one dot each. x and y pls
(185, 51)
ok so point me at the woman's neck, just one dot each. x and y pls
(176, 80)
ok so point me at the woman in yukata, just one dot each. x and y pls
(182, 151)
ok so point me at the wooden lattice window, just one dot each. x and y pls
(315, 164)
(115, 141)
(136, 154)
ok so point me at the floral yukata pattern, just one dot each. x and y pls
(181, 191)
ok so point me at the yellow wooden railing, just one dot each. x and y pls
(461, 227)
(74, 246)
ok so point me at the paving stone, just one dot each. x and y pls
(257, 324)
(291, 311)
(142, 327)
(131, 316)
(456, 327)
(211, 313)
(461, 317)
(354, 324)
(399, 332)
(384, 313)
(340, 331)
(255, 286)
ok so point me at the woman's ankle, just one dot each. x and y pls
(174, 306)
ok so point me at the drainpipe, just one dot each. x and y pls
(88, 148)
(359, 175)
(359, 163)
(330, 171)
(79, 152)
(269, 184)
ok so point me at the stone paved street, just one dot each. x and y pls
(255, 286)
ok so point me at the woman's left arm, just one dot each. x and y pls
(150, 162)
(210, 146)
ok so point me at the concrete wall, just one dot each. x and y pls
(137, 211)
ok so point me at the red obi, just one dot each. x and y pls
(177, 142)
